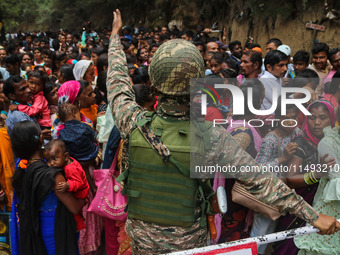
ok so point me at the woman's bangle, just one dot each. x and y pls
(2, 193)
(307, 179)
(310, 178)
(313, 178)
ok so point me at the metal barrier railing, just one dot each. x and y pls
(265, 239)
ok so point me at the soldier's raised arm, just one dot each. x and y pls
(120, 94)
(269, 190)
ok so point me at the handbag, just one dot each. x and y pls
(108, 201)
(241, 196)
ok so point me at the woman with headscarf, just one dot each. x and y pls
(76, 92)
(84, 70)
(70, 92)
(304, 160)
(326, 199)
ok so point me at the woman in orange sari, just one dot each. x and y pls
(7, 166)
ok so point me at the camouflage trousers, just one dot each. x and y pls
(149, 238)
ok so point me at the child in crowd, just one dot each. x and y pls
(216, 62)
(51, 95)
(39, 109)
(276, 149)
(300, 62)
(80, 139)
(56, 156)
(81, 142)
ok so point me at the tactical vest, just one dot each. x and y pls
(160, 191)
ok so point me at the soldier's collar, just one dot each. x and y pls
(176, 107)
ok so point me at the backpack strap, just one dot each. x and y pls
(204, 130)
(148, 117)
(154, 141)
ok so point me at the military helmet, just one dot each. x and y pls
(173, 65)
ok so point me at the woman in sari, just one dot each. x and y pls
(6, 168)
(84, 70)
(76, 92)
(305, 158)
(47, 226)
(327, 198)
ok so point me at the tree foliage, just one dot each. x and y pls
(30, 15)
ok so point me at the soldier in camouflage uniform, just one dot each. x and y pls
(174, 63)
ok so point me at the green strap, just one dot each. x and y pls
(184, 170)
(122, 176)
(149, 116)
(204, 128)
(203, 221)
(158, 131)
(133, 193)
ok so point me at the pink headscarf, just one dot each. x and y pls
(309, 135)
(68, 92)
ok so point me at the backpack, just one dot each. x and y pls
(158, 183)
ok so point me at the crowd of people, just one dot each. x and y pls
(69, 103)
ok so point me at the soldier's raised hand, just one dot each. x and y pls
(117, 22)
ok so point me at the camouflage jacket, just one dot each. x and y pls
(149, 237)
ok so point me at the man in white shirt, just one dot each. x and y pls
(272, 44)
(276, 67)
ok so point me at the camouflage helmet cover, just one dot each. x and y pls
(173, 65)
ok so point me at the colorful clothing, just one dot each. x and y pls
(268, 153)
(326, 201)
(309, 155)
(91, 112)
(38, 210)
(76, 177)
(328, 77)
(7, 166)
(80, 69)
(309, 136)
(307, 152)
(90, 237)
(39, 109)
(68, 93)
(151, 238)
(271, 148)
(213, 113)
(80, 140)
(330, 98)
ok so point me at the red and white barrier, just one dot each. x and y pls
(246, 246)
